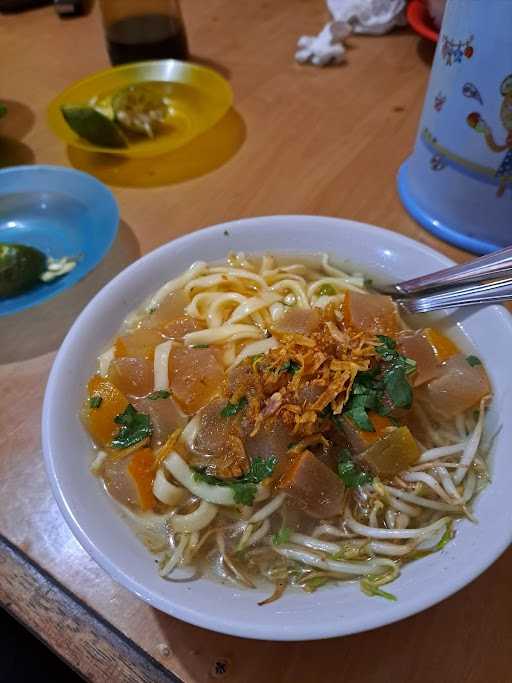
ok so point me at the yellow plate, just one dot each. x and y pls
(199, 98)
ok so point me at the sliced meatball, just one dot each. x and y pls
(132, 376)
(139, 343)
(213, 429)
(165, 416)
(195, 376)
(371, 313)
(171, 307)
(415, 345)
(119, 482)
(299, 321)
(241, 381)
(272, 439)
(217, 444)
(179, 327)
(359, 440)
(459, 386)
(314, 487)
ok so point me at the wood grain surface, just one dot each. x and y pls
(95, 649)
(299, 140)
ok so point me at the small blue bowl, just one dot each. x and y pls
(60, 211)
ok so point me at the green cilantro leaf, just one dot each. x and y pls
(290, 366)
(383, 388)
(397, 387)
(244, 488)
(260, 469)
(233, 408)
(201, 346)
(282, 536)
(356, 411)
(200, 475)
(350, 473)
(244, 494)
(161, 393)
(387, 348)
(134, 427)
(473, 360)
(95, 401)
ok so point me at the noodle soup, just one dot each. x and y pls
(271, 420)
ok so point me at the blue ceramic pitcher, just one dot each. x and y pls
(458, 181)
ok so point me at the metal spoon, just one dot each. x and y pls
(489, 267)
(464, 295)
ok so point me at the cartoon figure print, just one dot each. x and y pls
(476, 121)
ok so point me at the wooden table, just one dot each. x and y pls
(301, 140)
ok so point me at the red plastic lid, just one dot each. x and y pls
(421, 21)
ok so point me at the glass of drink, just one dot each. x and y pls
(139, 30)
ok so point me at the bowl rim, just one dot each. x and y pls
(53, 113)
(100, 190)
(313, 630)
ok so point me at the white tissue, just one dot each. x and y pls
(373, 17)
(325, 48)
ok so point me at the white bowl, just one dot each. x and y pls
(333, 611)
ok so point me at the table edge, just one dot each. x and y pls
(52, 613)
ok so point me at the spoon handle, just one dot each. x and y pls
(465, 295)
(497, 264)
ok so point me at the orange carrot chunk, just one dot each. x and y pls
(142, 471)
(389, 456)
(443, 346)
(104, 403)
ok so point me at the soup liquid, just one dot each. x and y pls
(146, 36)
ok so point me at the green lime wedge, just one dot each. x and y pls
(93, 126)
(141, 108)
(20, 268)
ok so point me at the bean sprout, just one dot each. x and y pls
(336, 566)
(176, 556)
(268, 509)
(471, 445)
(371, 532)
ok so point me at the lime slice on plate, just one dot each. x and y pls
(93, 126)
(141, 108)
(20, 268)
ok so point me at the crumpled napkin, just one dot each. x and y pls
(373, 17)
